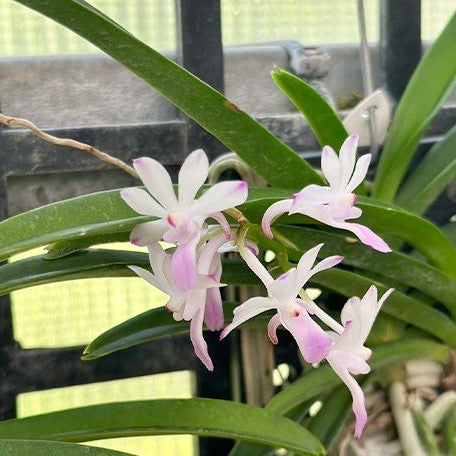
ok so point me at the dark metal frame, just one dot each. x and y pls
(199, 27)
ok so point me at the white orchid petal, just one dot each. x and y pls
(284, 287)
(255, 265)
(199, 344)
(192, 176)
(147, 233)
(364, 234)
(347, 157)
(274, 211)
(194, 302)
(141, 202)
(223, 222)
(157, 181)
(304, 267)
(273, 324)
(330, 165)
(249, 309)
(327, 263)
(157, 259)
(339, 361)
(362, 166)
(150, 278)
(220, 197)
(213, 312)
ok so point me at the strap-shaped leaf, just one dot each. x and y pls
(148, 326)
(322, 118)
(105, 213)
(396, 266)
(398, 305)
(44, 448)
(93, 264)
(435, 171)
(419, 104)
(84, 219)
(157, 323)
(272, 159)
(335, 411)
(205, 417)
(384, 219)
(323, 378)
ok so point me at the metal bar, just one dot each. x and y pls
(200, 51)
(40, 369)
(400, 43)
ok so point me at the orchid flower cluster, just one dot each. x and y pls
(191, 275)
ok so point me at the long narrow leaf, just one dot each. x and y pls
(93, 264)
(44, 448)
(205, 417)
(329, 421)
(425, 93)
(157, 323)
(397, 266)
(104, 213)
(322, 118)
(398, 305)
(271, 158)
(323, 378)
(148, 326)
(435, 171)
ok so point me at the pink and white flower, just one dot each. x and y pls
(292, 312)
(348, 355)
(200, 303)
(180, 219)
(332, 205)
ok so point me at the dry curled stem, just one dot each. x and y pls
(24, 123)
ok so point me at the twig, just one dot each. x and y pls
(17, 122)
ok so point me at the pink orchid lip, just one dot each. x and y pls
(170, 221)
(242, 185)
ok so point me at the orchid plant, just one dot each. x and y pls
(191, 279)
(327, 230)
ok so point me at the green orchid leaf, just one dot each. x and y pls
(435, 171)
(66, 247)
(322, 118)
(267, 155)
(156, 323)
(419, 104)
(323, 378)
(329, 421)
(88, 218)
(204, 417)
(398, 305)
(395, 266)
(383, 218)
(93, 264)
(79, 222)
(44, 448)
(148, 326)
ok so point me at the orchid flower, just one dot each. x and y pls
(292, 312)
(332, 205)
(348, 355)
(200, 303)
(180, 219)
